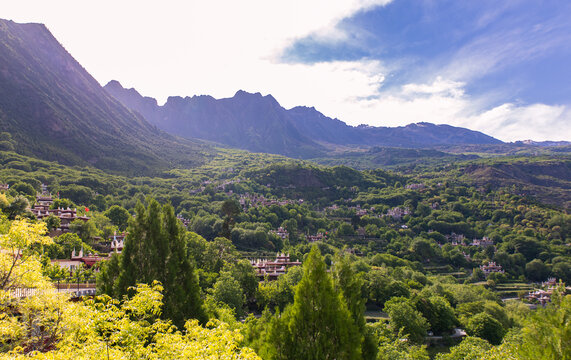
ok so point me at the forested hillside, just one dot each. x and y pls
(51, 108)
(423, 256)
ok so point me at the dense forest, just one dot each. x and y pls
(426, 262)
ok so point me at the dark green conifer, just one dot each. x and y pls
(155, 250)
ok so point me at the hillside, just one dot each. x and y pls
(547, 179)
(50, 107)
(259, 123)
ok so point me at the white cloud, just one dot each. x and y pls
(188, 47)
(536, 121)
(445, 102)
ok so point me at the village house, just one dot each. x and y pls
(491, 267)
(88, 260)
(281, 232)
(184, 221)
(255, 200)
(455, 239)
(68, 264)
(484, 242)
(78, 260)
(117, 242)
(273, 269)
(4, 187)
(316, 237)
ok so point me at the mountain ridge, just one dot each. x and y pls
(301, 131)
(52, 108)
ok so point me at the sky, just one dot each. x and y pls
(500, 67)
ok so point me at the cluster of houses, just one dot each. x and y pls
(221, 186)
(491, 267)
(316, 237)
(255, 200)
(80, 260)
(273, 269)
(459, 239)
(541, 296)
(4, 187)
(359, 211)
(41, 209)
(398, 212)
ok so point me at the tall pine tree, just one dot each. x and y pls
(155, 250)
(351, 286)
(318, 325)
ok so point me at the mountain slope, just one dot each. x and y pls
(53, 109)
(247, 121)
(258, 123)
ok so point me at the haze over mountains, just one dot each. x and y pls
(258, 123)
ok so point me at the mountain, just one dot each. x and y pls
(247, 121)
(51, 108)
(258, 123)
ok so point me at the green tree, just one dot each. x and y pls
(119, 216)
(403, 317)
(155, 250)
(483, 325)
(230, 209)
(438, 312)
(536, 270)
(24, 188)
(86, 230)
(351, 285)
(318, 324)
(18, 207)
(228, 291)
(547, 332)
(244, 273)
(52, 222)
(471, 348)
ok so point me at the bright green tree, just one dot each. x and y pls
(547, 331)
(351, 285)
(483, 325)
(403, 317)
(228, 291)
(318, 324)
(471, 348)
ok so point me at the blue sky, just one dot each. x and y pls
(524, 47)
(501, 67)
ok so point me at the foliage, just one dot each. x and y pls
(155, 250)
(53, 328)
(483, 325)
(404, 318)
(547, 332)
(20, 267)
(318, 324)
(227, 290)
(471, 348)
(119, 216)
